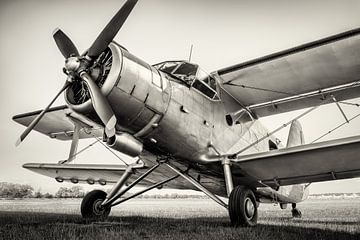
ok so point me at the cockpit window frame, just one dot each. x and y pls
(215, 97)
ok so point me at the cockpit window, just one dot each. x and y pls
(168, 67)
(186, 69)
(182, 70)
(206, 78)
(191, 75)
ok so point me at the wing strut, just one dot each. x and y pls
(341, 110)
(198, 185)
(78, 126)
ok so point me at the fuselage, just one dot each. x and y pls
(184, 120)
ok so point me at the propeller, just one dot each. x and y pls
(64, 43)
(101, 105)
(111, 29)
(76, 67)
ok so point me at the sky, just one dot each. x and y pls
(223, 33)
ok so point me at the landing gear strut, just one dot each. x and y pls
(242, 202)
(296, 213)
(91, 205)
(243, 207)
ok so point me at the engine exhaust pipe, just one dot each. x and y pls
(238, 117)
(126, 144)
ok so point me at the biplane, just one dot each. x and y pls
(187, 129)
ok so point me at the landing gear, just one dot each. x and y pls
(296, 213)
(243, 207)
(91, 205)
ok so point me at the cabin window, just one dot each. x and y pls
(206, 78)
(156, 78)
(205, 89)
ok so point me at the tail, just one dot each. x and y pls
(296, 135)
(298, 192)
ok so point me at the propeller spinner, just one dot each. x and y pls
(77, 67)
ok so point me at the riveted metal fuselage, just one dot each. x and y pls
(176, 119)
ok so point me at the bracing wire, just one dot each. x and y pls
(337, 127)
(100, 141)
(342, 124)
(85, 148)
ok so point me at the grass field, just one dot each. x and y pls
(176, 219)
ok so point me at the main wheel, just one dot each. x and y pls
(91, 205)
(243, 207)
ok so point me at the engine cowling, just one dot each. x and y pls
(136, 91)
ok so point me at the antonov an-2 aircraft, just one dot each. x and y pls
(191, 130)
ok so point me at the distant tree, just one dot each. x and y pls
(73, 192)
(48, 195)
(12, 190)
(38, 194)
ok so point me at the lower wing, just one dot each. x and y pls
(331, 160)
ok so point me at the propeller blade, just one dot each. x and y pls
(64, 43)
(38, 118)
(101, 105)
(111, 29)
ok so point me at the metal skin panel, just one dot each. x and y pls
(322, 64)
(323, 161)
(182, 130)
(135, 99)
(136, 80)
(127, 108)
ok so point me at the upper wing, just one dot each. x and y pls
(58, 123)
(331, 160)
(297, 78)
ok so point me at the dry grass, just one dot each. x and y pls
(176, 219)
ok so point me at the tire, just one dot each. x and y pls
(243, 207)
(90, 205)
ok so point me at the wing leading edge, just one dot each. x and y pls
(58, 123)
(297, 78)
(331, 160)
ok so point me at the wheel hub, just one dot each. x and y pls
(98, 209)
(249, 208)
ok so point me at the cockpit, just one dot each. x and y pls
(191, 75)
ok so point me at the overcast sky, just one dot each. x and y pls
(223, 33)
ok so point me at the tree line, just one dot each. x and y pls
(14, 190)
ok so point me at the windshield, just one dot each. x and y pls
(191, 75)
(182, 70)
